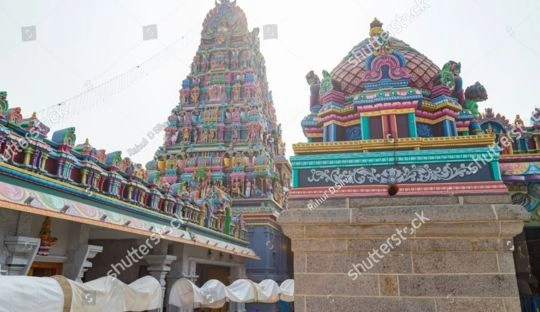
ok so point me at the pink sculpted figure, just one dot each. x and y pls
(221, 129)
(236, 115)
(187, 118)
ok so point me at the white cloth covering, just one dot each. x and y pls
(213, 294)
(242, 290)
(110, 294)
(268, 291)
(44, 294)
(287, 290)
(27, 293)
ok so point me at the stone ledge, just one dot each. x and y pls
(405, 214)
(352, 202)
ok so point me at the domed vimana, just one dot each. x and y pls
(223, 140)
(394, 89)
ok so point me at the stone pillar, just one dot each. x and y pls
(79, 252)
(159, 267)
(363, 254)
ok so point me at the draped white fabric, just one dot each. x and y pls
(242, 290)
(213, 294)
(26, 293)
(287, 290)
(110, 294)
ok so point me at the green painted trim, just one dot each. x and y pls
(412, 125)
(364, 122)
(295, 178)
(496, 171)
(388, 158)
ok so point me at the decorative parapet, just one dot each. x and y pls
(81, 169)
(390, 144)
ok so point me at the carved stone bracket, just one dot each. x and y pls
(22, 251)
(91, 252)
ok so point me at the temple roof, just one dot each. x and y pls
(349, 71)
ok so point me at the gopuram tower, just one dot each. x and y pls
(223, 141)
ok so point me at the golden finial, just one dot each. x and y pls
(375, 27)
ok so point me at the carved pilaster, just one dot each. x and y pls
(159, 266)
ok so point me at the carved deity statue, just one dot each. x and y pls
(220, 132)
(215, 93)
(474, 94)
(236, 115)
(235, 134)
(187, 118)
(236, 92)
(174, 137)
(195, 93)
(185, 134)
(234, 59)
(327, 83)
(519, 124)
(254, 130)
(3, 102)
(248, 189)
(45, 233)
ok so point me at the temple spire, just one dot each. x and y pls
(375, 27)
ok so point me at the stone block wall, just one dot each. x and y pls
(459, 259)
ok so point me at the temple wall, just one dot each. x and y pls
(270, 245)
(114, 252)
(458, 260)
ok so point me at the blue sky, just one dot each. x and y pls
(82, 44)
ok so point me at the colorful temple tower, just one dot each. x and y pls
(223, 139)
(397, 197)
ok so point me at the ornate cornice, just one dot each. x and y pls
(400, 144)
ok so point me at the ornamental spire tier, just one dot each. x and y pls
(223, 137)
